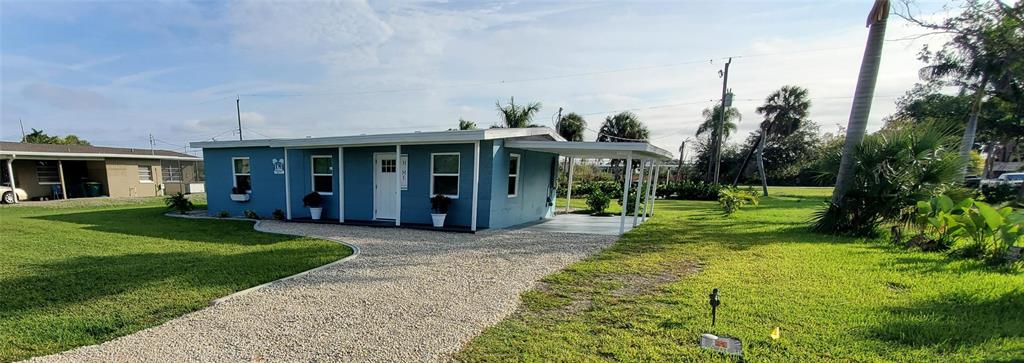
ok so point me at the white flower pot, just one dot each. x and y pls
(438, 219)
(315, 213)
(240, 197)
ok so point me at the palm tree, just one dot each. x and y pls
(784, 111)
(862, 96)
(712, 116)
(712, 119)
(517, 116)
(466, 125)
(571, 127)
(623, 127)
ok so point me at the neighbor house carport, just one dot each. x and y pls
(648, 156)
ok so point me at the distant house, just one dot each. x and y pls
(495, 177)
(46, 171)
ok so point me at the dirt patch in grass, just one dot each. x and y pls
(642, 284)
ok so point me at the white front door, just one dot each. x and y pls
(385, 186)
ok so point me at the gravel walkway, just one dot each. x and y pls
(409, 295)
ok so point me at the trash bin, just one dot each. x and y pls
(93, 189)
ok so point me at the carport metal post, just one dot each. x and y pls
(398, 184)
(639, 192)
(60, 172)
(647, 192)
(626, 176)
(568, 188)
(649, 208)
(10, 175)
(287, 188)
(341, 184)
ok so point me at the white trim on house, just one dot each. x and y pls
(519, 166)
(476, 184)
(593, 149)
(627, 177)
(235, 173)
(458, 178)
(287, 186)
(341, 184)
(40, 155)
(313, 174)
(409, 138)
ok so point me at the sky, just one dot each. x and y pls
(114, 72)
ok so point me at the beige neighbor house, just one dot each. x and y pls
(47, 171)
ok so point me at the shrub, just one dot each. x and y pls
(223, 214)
(697, 190)
(313, 200)
(598, 202)
(179, 202)
(665, 190)
(732, 199)
(279, 214)
(440, 203)
(992, 230)
(893, 169)
(251, 214)
(631, 199)
(937, 218)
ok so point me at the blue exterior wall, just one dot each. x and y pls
(267, 187)
(534, 198)
(495, 208)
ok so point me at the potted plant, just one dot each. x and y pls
(314, 201)
(240, 193)
(439, 209)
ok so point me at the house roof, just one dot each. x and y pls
(592, 149)
(19, 149)
(434, 137)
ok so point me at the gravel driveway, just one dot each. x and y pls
(409, 295)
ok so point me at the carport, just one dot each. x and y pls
(646, 155)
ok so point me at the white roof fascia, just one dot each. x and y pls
(88, 156)
(410, 138)
(594, 149)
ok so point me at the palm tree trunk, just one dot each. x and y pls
(760, 163)
(862, 97)
(746, 159)
(967, 143)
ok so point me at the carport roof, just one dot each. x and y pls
(591, 149)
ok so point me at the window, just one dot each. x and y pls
(513, 175)
(145, 173)
(170, 172)
(47, 173)
(323, 174)
(242, 180)
(444, 174)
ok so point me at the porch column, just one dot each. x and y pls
(654, 192)
(568, 188)
(63, 187)
(476, 181)
(639, 192)
(647, 193)
(398, 185)
(341, 184)
(287, 188)
(10, 175)
(626, 176)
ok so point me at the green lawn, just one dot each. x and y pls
(83, 272)
(835, 299)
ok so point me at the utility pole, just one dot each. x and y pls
(238, 109)
(22, 129)
(726, 102)
(682, 156)
(152, 145)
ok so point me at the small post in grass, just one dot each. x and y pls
(713, 342)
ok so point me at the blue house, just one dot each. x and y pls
(496, 178)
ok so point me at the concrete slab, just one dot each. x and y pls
(580, 223)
